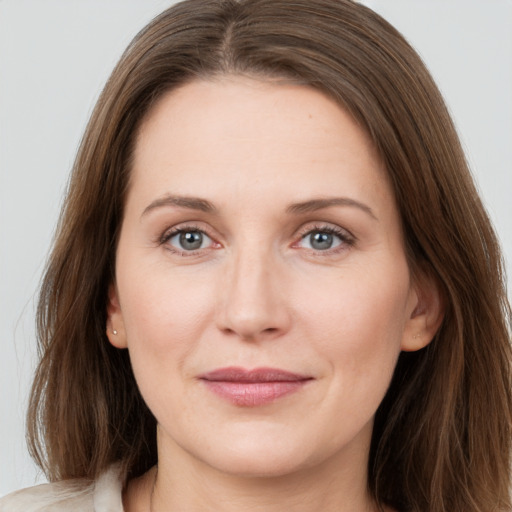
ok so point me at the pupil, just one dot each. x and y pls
(321, 241)
(191, 240)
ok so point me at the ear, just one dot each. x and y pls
(426, 312)
(115, 322)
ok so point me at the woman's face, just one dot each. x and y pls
(262, 288)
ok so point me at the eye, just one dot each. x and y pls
(322, 241)
(187, 240)
(325, 239)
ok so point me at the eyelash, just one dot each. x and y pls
(187, 228)
(347, 239)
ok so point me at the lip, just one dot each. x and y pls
(252, 388)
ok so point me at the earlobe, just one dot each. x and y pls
(115, 323)
(427, 313)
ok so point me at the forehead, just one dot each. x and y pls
(243, 106)
(251, 132)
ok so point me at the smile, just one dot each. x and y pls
(252, 388)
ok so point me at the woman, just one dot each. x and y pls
(274, 285)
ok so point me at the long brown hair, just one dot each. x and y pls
(442, 435)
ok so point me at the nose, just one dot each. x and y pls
(252, 302)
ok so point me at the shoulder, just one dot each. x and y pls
(102, 495)
(68, 495)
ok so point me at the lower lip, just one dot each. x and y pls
(253, 394)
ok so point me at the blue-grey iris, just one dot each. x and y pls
(191, 240)
(321, 240)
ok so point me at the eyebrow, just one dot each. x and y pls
(197, 203)
(321, 203)
(191, 203)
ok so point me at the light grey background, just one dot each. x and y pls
(56, 55)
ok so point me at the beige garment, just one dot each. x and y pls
(102, 495)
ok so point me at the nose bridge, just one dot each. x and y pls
(252, 304)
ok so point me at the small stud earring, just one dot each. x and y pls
(114, 332)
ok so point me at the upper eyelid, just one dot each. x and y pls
(301, 232)
(172, 232)
(324, 226)
(186, 226)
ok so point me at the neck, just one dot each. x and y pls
(185, 483)
(291, 493)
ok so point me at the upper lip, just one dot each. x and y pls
(237, 374)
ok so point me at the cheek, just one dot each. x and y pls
(165, 315)
(359, 321)
(158, 300)
(165, 318)
(362, 324)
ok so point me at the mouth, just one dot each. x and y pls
(252, 388)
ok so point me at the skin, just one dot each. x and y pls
(260, 293)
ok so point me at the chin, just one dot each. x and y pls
(258, 464)
(261, 456)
